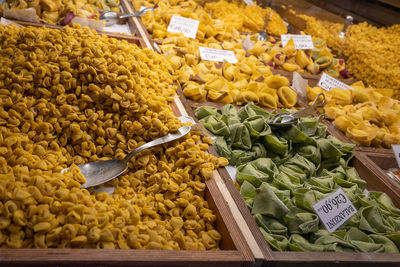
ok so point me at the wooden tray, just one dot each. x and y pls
(234, 248)
(379, 163)
(375, 182)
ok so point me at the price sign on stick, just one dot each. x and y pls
(218, 55)
(302, 42)
(334, 210)
(249, 2)
(396, 151)
(327, 82)
(184, 25)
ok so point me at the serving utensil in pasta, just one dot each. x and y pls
(99, 172)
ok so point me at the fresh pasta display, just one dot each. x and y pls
(72, 96)
(54, 12)
(372, 52)
(368, 116)
(283, 172)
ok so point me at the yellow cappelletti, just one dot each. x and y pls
(71, 96)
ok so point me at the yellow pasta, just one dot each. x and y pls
(69, 102)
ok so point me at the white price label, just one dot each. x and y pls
(302, 42)
(366, 192)
(184, 25)
(334, 210)
(327, 82)
(396, 151)
(249, 2)
(218, 55)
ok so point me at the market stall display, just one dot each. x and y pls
(50, 121)
(372, 53)
(62, 12)
(284, 172)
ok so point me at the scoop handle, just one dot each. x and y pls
(165, 139)
(309, 110)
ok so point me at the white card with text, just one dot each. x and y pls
(218, 55)
(327, 82)
(184, 25)
(302, 42)
(334, 210)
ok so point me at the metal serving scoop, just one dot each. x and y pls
(286, 119)
(112, 17)
(99, 172)
(262, 35)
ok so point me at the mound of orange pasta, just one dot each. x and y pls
(71, 96)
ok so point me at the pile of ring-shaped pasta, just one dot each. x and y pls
(372, 53)
(72, 96)
(53, 11)
(368, 116)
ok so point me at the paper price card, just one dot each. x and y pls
(249, 2)
(302, 42)
(396, 151)
(218, 55)
(334, 210)
(184, 25)
(327, 82)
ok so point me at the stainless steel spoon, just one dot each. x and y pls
(99, 172)
(286, 119)
(262, 35)
(112, 17)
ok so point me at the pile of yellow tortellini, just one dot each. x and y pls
(72, 96)
(368, 116)
(373, 54)
(53, 11)
(249, 80)
(221, 20)
(320, 59)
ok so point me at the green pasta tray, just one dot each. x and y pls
(284, 172)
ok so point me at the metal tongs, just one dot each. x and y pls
(286, 119)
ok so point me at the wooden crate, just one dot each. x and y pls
(379, 163)
(376, 181)
(234, 249)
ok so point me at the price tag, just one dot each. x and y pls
(218, 55)
(396, 151)
(302, 42)
(184, 25)
(327, 82)
(334, 210)
(299, 84)
(366, 192)
(249, 2)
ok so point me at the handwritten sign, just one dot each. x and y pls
(218, 55)
(302, 42)
(327, 82)
(249, 2)
(334, 210)
(184, 25)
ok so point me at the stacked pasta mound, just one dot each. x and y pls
(53, 12)
(313, 61)
(248, 80)
(368, 116)
(373, 53)
(223, 20)
(71, 96)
